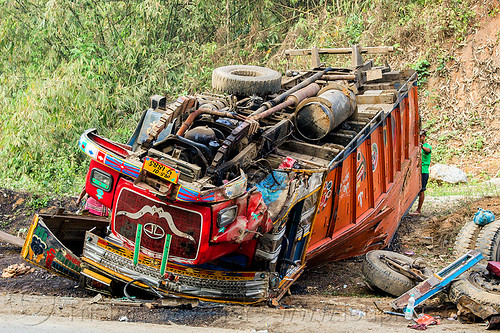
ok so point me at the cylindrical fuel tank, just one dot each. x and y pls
(315, 117)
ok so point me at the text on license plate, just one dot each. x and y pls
(161, 170)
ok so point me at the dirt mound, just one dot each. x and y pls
(18, 208)
(433, 235)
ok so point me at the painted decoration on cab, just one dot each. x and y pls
(345, 188)
(327, 193)
(374, 156)
(361, 171)
(161, 215)
(114, 162)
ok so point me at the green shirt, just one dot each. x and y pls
(426, 158)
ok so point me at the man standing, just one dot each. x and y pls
(426, 161)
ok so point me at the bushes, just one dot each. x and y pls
(66, 66)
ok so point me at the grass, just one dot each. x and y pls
(474, 188)
(69, 66)
(38, 201)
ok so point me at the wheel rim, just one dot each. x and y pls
(406, 265)
(487, 282)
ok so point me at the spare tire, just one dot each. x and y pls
(246, 80)
(384, 277)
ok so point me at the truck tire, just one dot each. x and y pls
(479, 287)
(488, 241)
(246, 80)
(466, 238)
(380, 275)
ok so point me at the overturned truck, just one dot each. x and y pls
(228, 196)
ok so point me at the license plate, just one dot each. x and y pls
(161, 170)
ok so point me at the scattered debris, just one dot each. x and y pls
(21, 233)
(418, 327)
(438, 281)
(358, 313)
(394, 313)
(123, 318)
(427, 320)
(11, 239)
(16, 270)
(494, 268)
(175, 303)
(483, 217)
(96, 299)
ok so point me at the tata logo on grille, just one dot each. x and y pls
(154, 231)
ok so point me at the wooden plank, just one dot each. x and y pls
(373, 74)
(356, 58)
(315, 57)
(385, 97)
(11, 239)
(308, 149)
(378, 86)
(390, 76)
(315, 161)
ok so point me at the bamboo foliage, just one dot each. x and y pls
(70, 65)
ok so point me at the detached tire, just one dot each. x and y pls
(246, 80)
(488, 241)
(466, 238)
(380, 275)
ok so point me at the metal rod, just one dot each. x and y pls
(280, 98)
(189, 121)
(292, 100)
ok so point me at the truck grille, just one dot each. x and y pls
(158, 220)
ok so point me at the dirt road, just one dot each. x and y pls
(333, 297)
(59, 314)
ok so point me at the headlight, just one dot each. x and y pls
(101, 179)
(226, 216)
